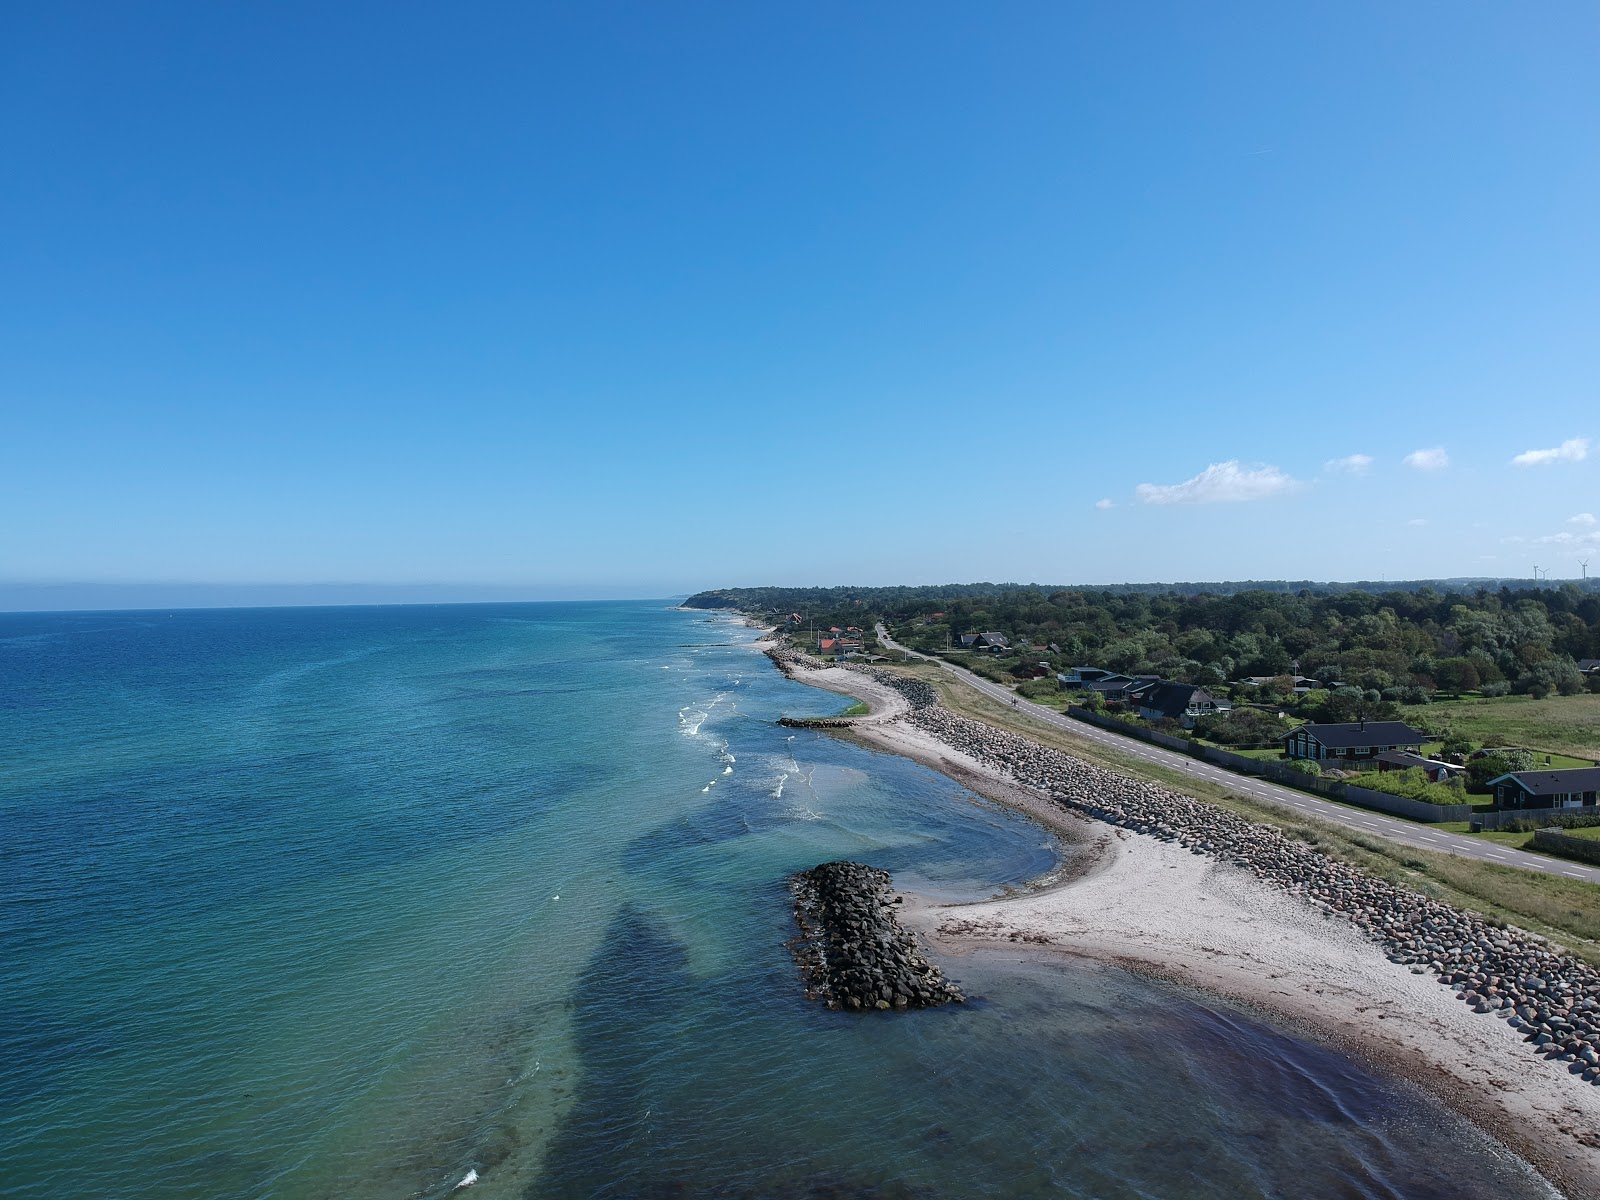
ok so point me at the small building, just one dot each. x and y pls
(1301, 684)
(1361, 741)
(1589, 666)
(967, 641)
(1404, 760)
(1573, 788)
(1116, 689)
(995, 643)
(1083, 676)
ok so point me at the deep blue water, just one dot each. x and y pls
(346, 902)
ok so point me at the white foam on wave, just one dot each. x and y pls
(727, 770)
(777, 792)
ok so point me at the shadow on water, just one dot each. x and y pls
(644, 1120)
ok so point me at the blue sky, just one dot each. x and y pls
(621, 299)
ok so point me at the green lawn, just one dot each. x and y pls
(1565, 727)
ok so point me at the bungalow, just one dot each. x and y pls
(1115, 690)
(995, 642)
(1353, 739)
(967, 641)
(1574, 788)
(1301, 683)
(1110, 680)
(1589, 666)
(1082, 676)
(1404, 760)
(1176, 702)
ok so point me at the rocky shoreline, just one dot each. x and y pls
(852, 948)
(1551, 998)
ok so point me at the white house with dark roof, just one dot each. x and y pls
(1572, 788)
(1359, 740)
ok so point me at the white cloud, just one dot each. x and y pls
(1108, 503)
(1417, 522)
(1434, 459)
(1220, 482)
(1571, 541)
(1350, 464)
(1581, 519)
(1571, 450)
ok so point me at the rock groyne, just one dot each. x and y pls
(852, 948)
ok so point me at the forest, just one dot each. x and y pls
(1404, 644)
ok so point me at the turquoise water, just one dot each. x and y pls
(347, 902)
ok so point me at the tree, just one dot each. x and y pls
(1456, 675)
(1495, 764)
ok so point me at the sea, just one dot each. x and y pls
(357, 902)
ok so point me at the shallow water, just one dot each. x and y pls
(350, 901)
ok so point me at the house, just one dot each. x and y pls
(1573, 788)
(1404, 760)
(1112, 682)
(1301, 683)
(1362, 740)
(967, 641)
(1170, 701)
(1589, 666)
(1082, 676)
(828, 645)
(1115, 691)
(993, 642)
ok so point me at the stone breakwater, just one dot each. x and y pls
(1552, 998)
(852, 948)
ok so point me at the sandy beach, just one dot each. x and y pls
(1158, 909)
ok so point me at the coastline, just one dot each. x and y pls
(1149, 906)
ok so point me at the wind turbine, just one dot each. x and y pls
(1584, 563)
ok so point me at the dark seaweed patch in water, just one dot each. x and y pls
(706, 827)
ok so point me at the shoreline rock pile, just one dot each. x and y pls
(852, 949)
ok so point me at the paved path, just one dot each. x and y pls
(1408, 832)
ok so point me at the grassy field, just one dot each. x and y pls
(1560, 725)
(1566, 911)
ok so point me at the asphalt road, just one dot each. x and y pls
(1409, 833)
